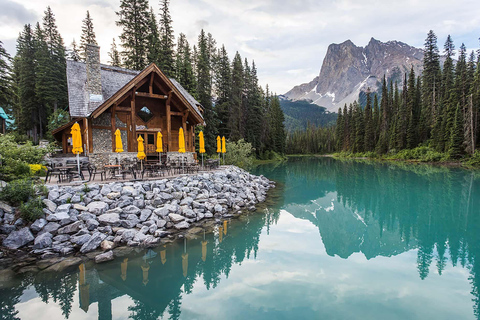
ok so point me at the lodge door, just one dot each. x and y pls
(149, 140)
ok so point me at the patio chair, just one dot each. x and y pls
(92, 170)
(53, 172)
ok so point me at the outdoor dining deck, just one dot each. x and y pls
(66, 171)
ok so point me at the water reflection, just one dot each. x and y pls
(372, 209)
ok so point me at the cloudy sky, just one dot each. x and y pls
(287, 39)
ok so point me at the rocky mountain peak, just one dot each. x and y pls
(348, 70)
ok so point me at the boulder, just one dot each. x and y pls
(38, 224)
(93, 243)
(92, 224)
(107, 245)
(50, 205)
(113, 195)
(51, 227)
(71, 228)
(43, 241)
(182, 225)
(17, 239)
(112, 219)
(131, 209)
(58, 216)
(145, 214)
(97, 207)
(79, 207)
(80, 240)
(128, 235)
(176, 217)
(107, 256)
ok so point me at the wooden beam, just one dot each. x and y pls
(151, 95)
(85, 134)
(90, 137)
(101, 127)
(169, 122)
(175, 113)
(133, 128)
(150, 88)
(184, 123)
(123, 109)
(113, 124)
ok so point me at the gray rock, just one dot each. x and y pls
(107, 256)
(112, 219)
(79, 207)
(131, 210)
(92, 224)
(161, 233)
(86, 216)
(17, 239)
(128, 235)
(93, 243)
(107, 245)
(161, 212)
(58, 216)
(113, 195)
(176, 217)
(38, 224)
(161, 223)
(43, 241)
(139, 237)
(105, 190)
(50, 205)
(80, 240)
(64, 198)
(97, 207)
(189, 213)
(53, 195)
(51, 227)
(139, 203)
(61, 238)
(165, 196)
(182, 225)
(186, 201)
(145, 214)
(71, 228)
(218, 208)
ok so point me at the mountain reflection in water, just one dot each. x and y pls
(372, 209)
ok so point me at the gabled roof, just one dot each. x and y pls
(115, 83)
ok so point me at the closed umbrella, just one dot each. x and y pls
(77, 143)
(181, 143)
(223, 149)
(201, 142)
(219, 146)
(118, 143)
(141, 151)
(159, 145)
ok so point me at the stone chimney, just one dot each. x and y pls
(94, 80)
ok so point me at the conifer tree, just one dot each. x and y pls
(412, 111)
(431, 80)
(166, 58)
(359, 127)
(87, 37)
(223, 88)
(5, 77)
(369, 142)
(44, 80)
(204, 93)
(184, 66)
(255, 111)
(382, 145)
(114, 56)
(74, 52)
(277, 127)
(153, 40)
(456, 149)
(133, 19)
(376, 120)
(235, 113)
(339, 130)
(346, 129)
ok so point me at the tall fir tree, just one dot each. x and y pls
(153, 40)
(255, 112)
(5, 77)
(133, 19)
(412, 111)
(88, 35)
(184, 72)
(369, 142)
(204, 93)
(114, 55)
(223, 90)
(74, 53)
(456, 149)
(431, 80)
(235, 119)
(166, 58)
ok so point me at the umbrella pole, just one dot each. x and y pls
(202, 160)
(78, 163)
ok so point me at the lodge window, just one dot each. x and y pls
(145, 114)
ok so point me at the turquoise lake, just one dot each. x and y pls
(335, 240)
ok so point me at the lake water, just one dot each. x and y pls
(336, 240)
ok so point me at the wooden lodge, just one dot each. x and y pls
(103, 99)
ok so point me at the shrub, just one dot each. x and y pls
(474, 161)
(18, 191)
(239, 154)
(38, 170)
(32, 209)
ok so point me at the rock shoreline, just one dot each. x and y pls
(93, 219)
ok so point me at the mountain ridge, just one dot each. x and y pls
(348, 69)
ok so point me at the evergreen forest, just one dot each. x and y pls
(33, 84)
(432, 116)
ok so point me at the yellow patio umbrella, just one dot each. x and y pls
(159, 145)
(77, 143)
(223, 149)
(141, 149)
(219, 144)
(181, 141)
(201, 142)
(118, 141)
(225, 227)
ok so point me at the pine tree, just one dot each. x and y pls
(431, 82)
(204, 93)
(74, 52)
(339, 131)
(44, 81)
(153, 40)
(456, 149)
(87, 37)
(133, 19)
(359, 127)
(235, 112)
(369, 142)
(412, 111)
(5, 77)
(166, 59)
(376, 120)
(346, 129)
(278, 130)
(114, 55)
(255, 112)
(382, 144)
(183, 65)
(223, 88)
